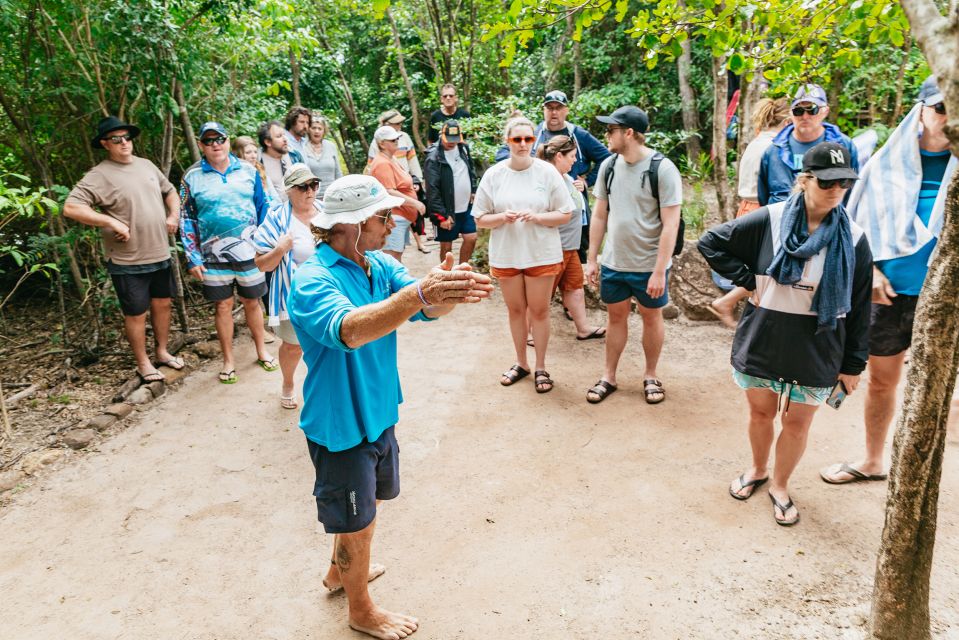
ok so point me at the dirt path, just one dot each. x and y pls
(521, 516)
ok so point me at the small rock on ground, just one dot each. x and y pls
(172, 376)
(120, 409)
(157, 388)
(140, 396)
(208, 349)
(37, 460)
(10, 479)
(79, 438)
(102, 421)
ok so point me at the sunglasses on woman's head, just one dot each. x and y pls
(312, 185)
(519, 139)
(812, 110)
(842, 183)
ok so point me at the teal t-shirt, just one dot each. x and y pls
(798, 150)
(906, 274)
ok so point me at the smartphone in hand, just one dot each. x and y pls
(837, 395)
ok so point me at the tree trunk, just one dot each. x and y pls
(690, 111)
(295, 78)
(752, 92)
(900, 599)
(185, 124)
(720, 179)
(577, 69)
(401, 63)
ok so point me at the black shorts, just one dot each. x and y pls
(135, 290)
(348, 483)
(890, 328)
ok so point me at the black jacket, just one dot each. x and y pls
(777, 339)
(439, 181)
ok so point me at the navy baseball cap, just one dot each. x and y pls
(929, 93)
(213, 126)
(628, 116)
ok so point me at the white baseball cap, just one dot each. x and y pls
(386, 132)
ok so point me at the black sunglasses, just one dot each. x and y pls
(209, 142)
(126, 137)
(940, 108)
(811, 110)
(842, 183)
(312, 185)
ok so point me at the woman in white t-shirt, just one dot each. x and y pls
(524, 201)
(284, 241)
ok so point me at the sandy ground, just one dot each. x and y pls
(521, 515)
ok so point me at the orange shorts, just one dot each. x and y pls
(571, 278)
(745, 206)
(532, 272)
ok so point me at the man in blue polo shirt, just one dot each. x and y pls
(222, 202)
(900, 204)
(345, 305)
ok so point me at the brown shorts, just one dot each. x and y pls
(531, 272)
(745, 206)
(571, 278)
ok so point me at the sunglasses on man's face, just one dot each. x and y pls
(312, 185)
(812, 110)
(522, 139)
(126, 137)
(940, 108)
(209, 142)
(385, 217)
(842, 183)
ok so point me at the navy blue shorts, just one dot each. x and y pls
(348, 483)
(617, 286)
(462, 223)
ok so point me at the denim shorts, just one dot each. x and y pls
(814, 396)
(399, 237)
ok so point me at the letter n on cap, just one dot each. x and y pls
(835, 155)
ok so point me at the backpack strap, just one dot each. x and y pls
(653, 173)
(608, 177)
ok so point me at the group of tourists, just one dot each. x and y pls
(828, 259)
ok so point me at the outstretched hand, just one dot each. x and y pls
(449, 284)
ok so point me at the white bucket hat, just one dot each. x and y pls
(352, 199)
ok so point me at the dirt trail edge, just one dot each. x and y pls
(521, 515)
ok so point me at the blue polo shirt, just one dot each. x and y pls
(349, 394)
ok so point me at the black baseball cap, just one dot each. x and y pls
(829, 161)
(628, 116)
(451, 132)
(929, 93)
(556, 96)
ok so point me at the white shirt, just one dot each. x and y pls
(304, 244)
(538, 188)
(461, 180)
(749, 165)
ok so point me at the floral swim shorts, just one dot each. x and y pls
(814, 396)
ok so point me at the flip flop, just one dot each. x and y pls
(228, 377)
(288, 402)
(777, 505)
(153, 376)
(857, 475)
(752, 485)
(598, 334)
(568, 315)
(600, 389)
(268, 365)
(174, 363)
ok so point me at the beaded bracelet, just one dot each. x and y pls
(419, 291)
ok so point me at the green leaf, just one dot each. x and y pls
(737, 62)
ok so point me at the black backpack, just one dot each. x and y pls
(653, 173)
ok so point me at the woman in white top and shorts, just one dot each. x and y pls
(524, 201)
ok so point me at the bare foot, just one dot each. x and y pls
(333, 583)
(723, 312)
(384, 624)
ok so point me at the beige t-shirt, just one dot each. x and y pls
(133, 194)
(538, 188)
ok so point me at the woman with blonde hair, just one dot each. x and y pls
(524, 201)
(246, 148)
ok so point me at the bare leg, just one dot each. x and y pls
(762, 413)
(575, 303)
(789, 449)
(352, 557)
(654, 332)
(537, 300)
(445, 247)
(289, 358)
(224, 331)
(254, 320)
(616, 336)
(466, 249)
(884, 375)
(135, 327)
(725, 307)
(514, 295)
(160, 311)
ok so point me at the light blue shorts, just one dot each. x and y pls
(399, 237)
(814, 396)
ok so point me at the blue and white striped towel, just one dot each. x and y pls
(884, 200)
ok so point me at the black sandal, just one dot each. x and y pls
(652, 386)
(752, 485)
(542, 378)
(783, 508)
(514, 374)
(601, 389)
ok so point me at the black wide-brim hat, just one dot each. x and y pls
(112, 123)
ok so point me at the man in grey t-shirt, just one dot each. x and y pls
(637, 255)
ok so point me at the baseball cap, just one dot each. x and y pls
(929, 93)
(386, 132)
(829, 161)
(811, 93)
(628, 116)
(213, 126)
(451, 132)
(556, 96)
(297, 174)
(352, 199)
